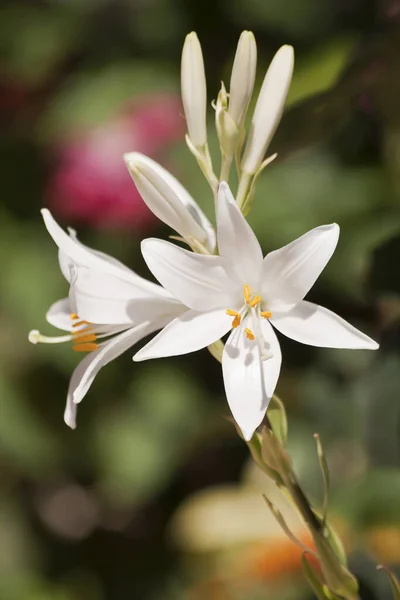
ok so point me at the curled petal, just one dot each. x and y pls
(59, 315)
(80, 255)
(86, 371)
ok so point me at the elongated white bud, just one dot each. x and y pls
(242, 77)
(169, 200)
(194, 90)
(269, 108)
(227, 130)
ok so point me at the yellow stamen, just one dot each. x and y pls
(249, 334)
(84, 347)
(81, 323)
(266, 314)
(247, 293)
(83, 331)
(236, 321)
(256, 300)
(237, 318)
(84, 338)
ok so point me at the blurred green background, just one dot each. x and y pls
(147, 499)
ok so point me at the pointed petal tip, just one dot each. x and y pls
(148, 242)
(70, 420)
(128, 157)
(132, 157)
(138, 357)
(224, 191)
(76, 397)
(247, 433)
(286, 51)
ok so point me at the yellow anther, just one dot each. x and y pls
(84, 347)
(237, 318)
(266, 314)
(249, 334)
(247, 293)
(236, 321)
(85, 337)
(84, 331)
(81, 323)
(256, 300)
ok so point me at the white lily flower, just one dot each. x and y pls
(240, 290)
(269, 108)
(194, 90)
(108, 310)
(170, 201)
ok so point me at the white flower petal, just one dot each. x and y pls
(201, 282)
(189, 332)
(102, 298)
(249, 381)
(314, 325)
(81, 255)
(66, 265)
(169, 200)
(88, 368)
(236, 239)
(59, 315)
(290, 272)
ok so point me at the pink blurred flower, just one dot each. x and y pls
(91, 182)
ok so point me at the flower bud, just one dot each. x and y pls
(269, 108)
(338, 578)
(242, 77)
(194, 90)
(169, 200)
(273, 453)
(227, 129)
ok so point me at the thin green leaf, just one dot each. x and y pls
(313, 579)
(278, 516)
(325, 476)
(393, 580)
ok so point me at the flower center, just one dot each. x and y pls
(252, 306)
(83, 336)
(250, 302)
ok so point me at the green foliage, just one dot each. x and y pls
(140, 444)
